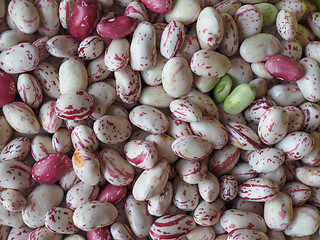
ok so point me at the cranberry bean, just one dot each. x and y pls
(258, 189)
(139, 219)
(24, 15)
(143, 53)
(17, 149)
(115, 168)
(159, 203)
(93, 215)
(81, 193)
(172, 226)
(64, 225)
(34, 213)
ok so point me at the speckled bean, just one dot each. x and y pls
(93, 215)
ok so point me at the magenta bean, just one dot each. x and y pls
(117, 27)
(172, 226)
(102, 233)
(158, 6)
(17, 149)
(84, 18)
(51, 168)
(112, 194)
(7, 89)
(283, 67)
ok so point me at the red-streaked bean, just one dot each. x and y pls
(81, 193)
(258, 189)
(94, 214)
(278, 212)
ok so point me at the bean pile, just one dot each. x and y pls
(159, 119)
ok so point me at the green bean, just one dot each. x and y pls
(222, 89)
(239, 99)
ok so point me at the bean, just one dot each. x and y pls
(240, 97)
(222, 89)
